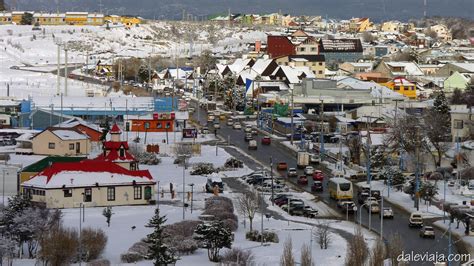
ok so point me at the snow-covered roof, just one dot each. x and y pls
(261, 64)
(239, 65)
(78, 174)
(65, 134)
(75, 122)
(409, 68)
(377, 90)
(469, 67)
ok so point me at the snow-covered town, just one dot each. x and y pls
(235, 139)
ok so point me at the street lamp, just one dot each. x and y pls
(192, 195)
(360, 214)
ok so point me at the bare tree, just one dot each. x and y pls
(287, 258)
(368, 37)
(378, 254)
(323, 235)
(248, 204)
(395, 248)
(357, 251)
(306, 258)
(403, 135)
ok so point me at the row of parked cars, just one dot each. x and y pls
(294, 206)
(262, 181)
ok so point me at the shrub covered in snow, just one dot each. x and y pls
(268, 236)
(185, 228)
(237, 256)
(219, 202)
(233, 163)
(131, 257)
(93, 243)
(203, 169)
(100, 262)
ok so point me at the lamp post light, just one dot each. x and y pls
(360, 214)
(192, 195)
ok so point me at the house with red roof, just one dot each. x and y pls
(117, 151)
(93, 183)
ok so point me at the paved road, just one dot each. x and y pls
(411, 239)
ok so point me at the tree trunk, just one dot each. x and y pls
(251, 223)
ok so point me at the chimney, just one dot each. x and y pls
(258, 46)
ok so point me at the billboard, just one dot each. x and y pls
(190, 133)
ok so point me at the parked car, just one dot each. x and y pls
(309, 170)
(248, 137)
(387, 212)
(282, 200)
(252, 144)
(415, 220)
(291, 201)
(427, 231)
(205, 130)
(266, 140)
(282, 166)
(303, 180)
(214, 182)
(309, 212)
(292, 172)
(318, 175)
(317, 186)
(237, 126)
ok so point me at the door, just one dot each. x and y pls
(78, 147)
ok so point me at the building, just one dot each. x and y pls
(114, 19)
(33, 169)
(449, 69)
(130, 21)
(442, 32)
(90, 130)
(95, 19)
(156, 122)
(353, 67)
(76, 18)
(341, 50)
(392, 26)
(399, 69)
(315, 62)
(299, 42)
(462, 122)
(49, 18)
(91, 183)
(10, 184)
(116, 151)
(359, 24)
(5, 18)
(458, 81)
(402, 86)
(61, 142)
(16, 17)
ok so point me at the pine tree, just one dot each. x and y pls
(440, 103)
(157, 250)
(214, 236)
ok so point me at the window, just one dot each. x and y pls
(302, 49)
(122, 152)
(71, 146)
(168, 124)
(87, 194)
(52, 145)
(111, 193)
(458, 124)
(67, 193)
(320, 63)
(313, 49)
(137, 192)
(320, 72)
(159, 125)
(397, 88)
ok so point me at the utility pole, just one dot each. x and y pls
(65, 69)
(417, 174)
(321, 136)
(271, 174)
(58, 89)
(292, 114)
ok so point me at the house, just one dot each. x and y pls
(5, 18)
(430, 69)
(91, 183)
(49, 18)
(315, 62)
(117, 151)
(34, 168)
(16, 17)
(442, 32)
(399, 69)
(462, 122)
(449, 68)
(353, 67)
(341, 50)
(114, 19)
(131, 21)
(458, 80)
(299, 42)
(76, 18)
(92, 131)
(359, 24)
(61, 142)
(95, 19)
(292, 75)
(392, 26)
(402, 86)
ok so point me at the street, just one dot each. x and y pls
(399, 225)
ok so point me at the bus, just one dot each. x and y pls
(340, 188)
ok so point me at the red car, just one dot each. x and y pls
(282, 166)
(303, 180)
(266, 141)
(318, 176)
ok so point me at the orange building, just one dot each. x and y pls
(157, 122)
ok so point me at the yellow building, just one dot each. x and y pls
(114, 19)
(359, 24)
(61, 142)
(316, 63)
(49, 18)
(95, 19)
(391, 26)
(5, 18)
(91, 183)
(402, 86)
(16, 16)
(130, 21)
(76, 18)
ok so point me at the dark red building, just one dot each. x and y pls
(280, 46)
